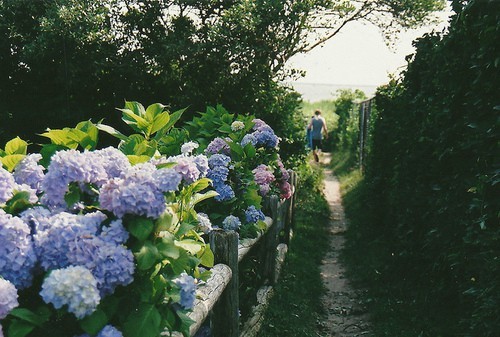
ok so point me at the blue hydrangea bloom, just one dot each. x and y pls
(113, 160)
(17, 255)
(112, 265)
(52, 244)
(266, 138)
(8, 297)
(204, 222)
(225, 192)
(7, 184)
(29, 172)
(109, 331)
(231, 222)
(219, 160)
(168, 179)
(252, 214)
(73, 286)
(115, 233)
(249, 138)
(201, 162)
(68, 167)
(218, 175)
(38, 218)
(188, 290)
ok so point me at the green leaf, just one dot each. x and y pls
(153, 111)
(143, 322)
(181, 263)
(29, 316)
(186, 322)
(134, 160)
(147, 256)
(18, 203)
(20, 328)
(47, 151)
(112, 131)
(61, 137)
(250, 150)
(207, 258)
(198, 197)
(10, 161)
(167, 248)
(94, 323)
(200, 185)
(73, 195)
(136, 107)
(236, 150)
(139, 227)
(16, 146)
(192, 246)
(134, 120)
(160, 122)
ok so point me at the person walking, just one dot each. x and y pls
(317, 125)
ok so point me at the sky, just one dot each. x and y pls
(357, 57)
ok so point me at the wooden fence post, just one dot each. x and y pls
(288, 226)
(272, 240)
(225, 319)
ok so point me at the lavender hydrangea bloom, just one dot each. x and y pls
(264, 189)
(7, 184)
(8, 297)
(218, 145)
(73, 286)
(204, 223)
(188, 288)
(263, 175)
(219, 160)
(135, 192)
(188, 169)
(286, 190)
(231, 222)
(29, 172)
(113, 160)
(109, 331)
(17, 256)
(201, 162)
(53, 243)
(252, 214)
(189, 147)
(168, 179)
(112, 265)
(249, 138)
(284, 172)
(115, 233)
(225, 192)
(33, 198)
(38, 218)
(67, 167)
(259, 124)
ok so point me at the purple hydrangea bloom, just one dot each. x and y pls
(135, 192)
(53, 244)
(189, 147)
(259, 124)
(188, 169)
(113, 160)
(68, 167)
(263, 175)
(264, 189)
(109, 331)
(8, 297)
(252, 214)
(7, 185)
(204, 223)
(73, 286)
(188, 289)
(115, 233)
(201, 162)
(218, 145)
(38, 218)
(225, 192)
(111, 265)
(219, 160)
(168, 179)
(286, 190)
(17, 256)
(29, 172)
(33, 198)
(231, 222)
(284, 172)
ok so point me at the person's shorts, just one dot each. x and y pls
(316, 144)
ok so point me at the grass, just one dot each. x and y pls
(295, 308)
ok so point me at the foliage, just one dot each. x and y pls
(346, 107)
(432, 169)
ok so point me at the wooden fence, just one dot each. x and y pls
(217, 302)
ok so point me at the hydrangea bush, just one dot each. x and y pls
(111, 242)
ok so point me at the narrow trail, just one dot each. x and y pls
(346, 314)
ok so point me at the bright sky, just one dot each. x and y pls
(358, 56)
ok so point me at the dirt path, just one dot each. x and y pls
(347, 317)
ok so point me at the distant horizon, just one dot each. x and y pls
(314, 92)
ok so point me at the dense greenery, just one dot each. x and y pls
(428, 217)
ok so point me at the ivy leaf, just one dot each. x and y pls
(143, 322)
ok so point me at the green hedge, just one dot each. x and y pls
(433, 172)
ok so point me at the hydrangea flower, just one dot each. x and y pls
(204, 223)
(17, 255)
(113, 160)
(218, 145)
(189, 147)
(201, 162)
(218, 175)
(168, 179)
(263, 175)
(258, 124)
(225, 192)
(67, 167)
(8, 297)
(237, 126)
(231, 222)
(264, 189)
(38, 218)
(284, 172)
(266, 138)
(73, 286)
(188, 288)
(115, 233)
(286, 190)
(7, 184)
(188, 169)
(252, 214)
(249, 138)
(29, 172)
(219, 160)
(109, 331)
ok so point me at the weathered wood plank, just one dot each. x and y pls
(246, 245)
(253, 324)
